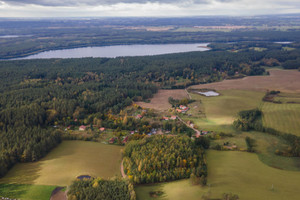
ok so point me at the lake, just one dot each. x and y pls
(119, 51)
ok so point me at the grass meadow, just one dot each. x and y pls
(282, 117)
(64, 163)
(244, 174)
(234, 172)
(26, 192)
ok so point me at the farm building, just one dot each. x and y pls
(102, 129)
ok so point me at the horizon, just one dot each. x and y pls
(144, 8)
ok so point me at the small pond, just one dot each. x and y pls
(210, 93)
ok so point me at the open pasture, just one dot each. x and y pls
(160, 99)
(244, 174)
(282, 117)
(283, 80)
(64, 163)
(239, 173)
(176, 190)
(26, 192)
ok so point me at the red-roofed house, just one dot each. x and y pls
(82, 128)
(139, 116)
(125, 140)
(173, 117)
(165, 118)
(102, 129)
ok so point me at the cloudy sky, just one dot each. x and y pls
(163, 8)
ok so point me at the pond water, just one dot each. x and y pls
(120, 50)
(210, 94)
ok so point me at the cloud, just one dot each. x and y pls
(144, 8)
(107, 2)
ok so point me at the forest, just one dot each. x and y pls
(164, 158)
(100, 189)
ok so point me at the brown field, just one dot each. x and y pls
(283, 80)
(160, 99)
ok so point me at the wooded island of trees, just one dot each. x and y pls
(164, 158)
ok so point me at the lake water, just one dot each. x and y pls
(283, 42)
(120, 50)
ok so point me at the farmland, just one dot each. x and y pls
(283, 80)
(282, 117)
(69, 160)
(160, 99)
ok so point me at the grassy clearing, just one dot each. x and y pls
(265, 147)
(69, 160)
(221, 111)
(282, 117)
(176, 190)
(243, 174)
(26, 192)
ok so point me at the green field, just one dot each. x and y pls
(26, 192)
(243, 174)
(69, 160)
(239, 173)
(282, 117)
(221, 111)
(265, 147)
(176, 190)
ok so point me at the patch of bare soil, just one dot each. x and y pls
(160, 99)
(58, 194)
(283, 80)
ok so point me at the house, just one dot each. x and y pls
(165, 118)
(179, 111)
(112, 140)
(197, 135)
(182, 107)
(173, 117)
(204, 132)
(139, 116)
(82, 128)
(131, 132)
(125, 140)
(102, 129)
(185, 110)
